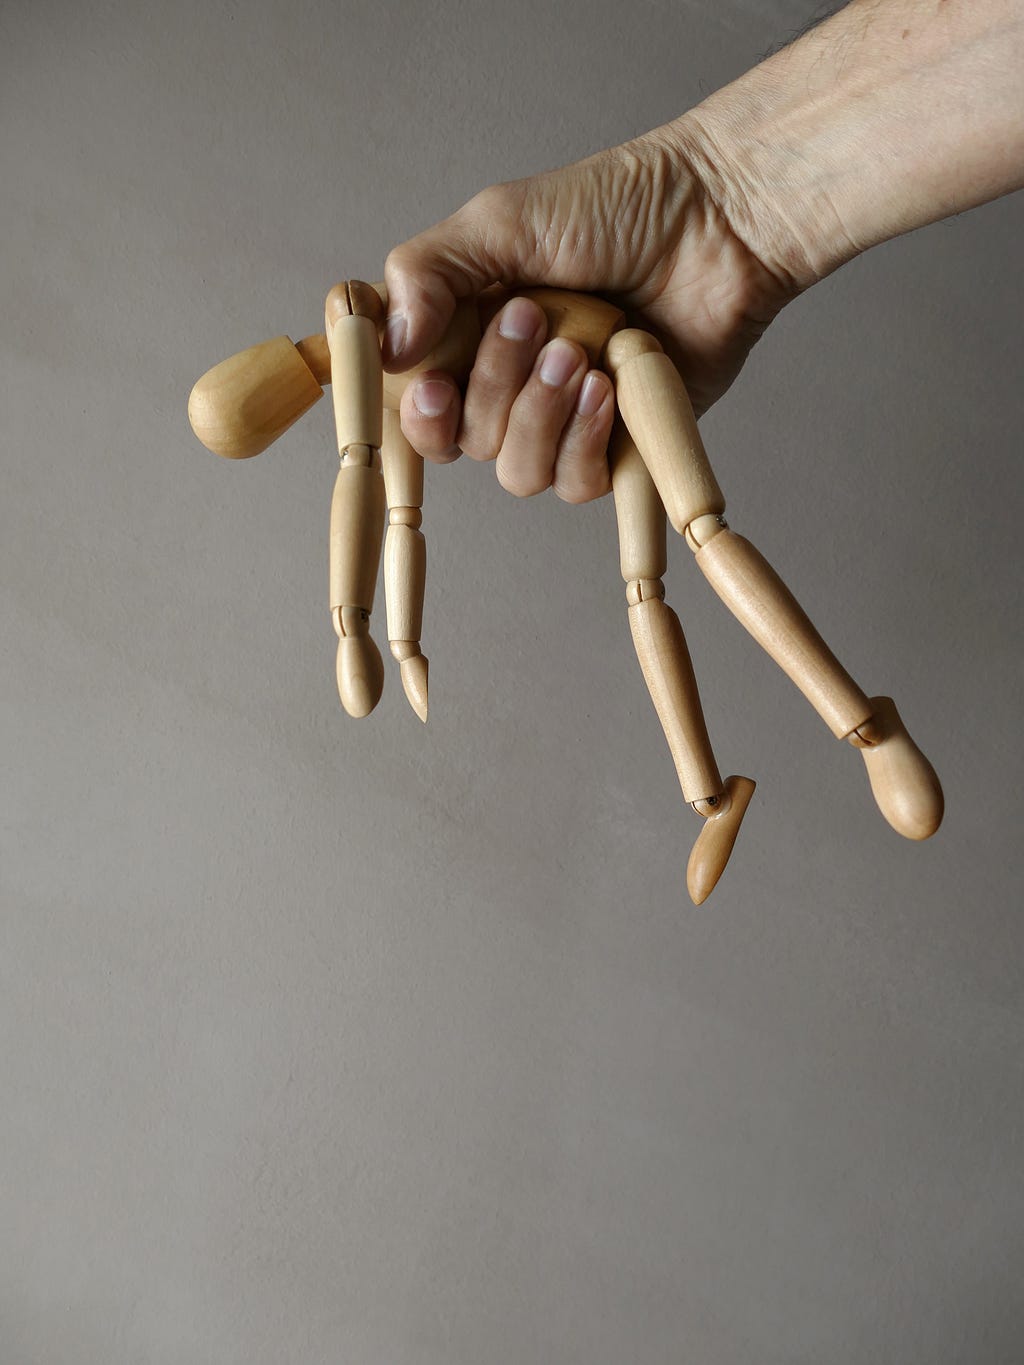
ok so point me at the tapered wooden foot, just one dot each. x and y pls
(903, 782)
(716, 839)
(415, 669)
(665, 660)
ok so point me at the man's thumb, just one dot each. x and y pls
(427, 275)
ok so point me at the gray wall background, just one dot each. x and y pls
(327, 1041)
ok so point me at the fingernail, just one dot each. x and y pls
(558, 364)
(432, 397)
(591, 396)
(518, 320)
(394, 334)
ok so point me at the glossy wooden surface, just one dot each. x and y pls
(760, 601)
(904, 784)
(241, 406)
(656, 408)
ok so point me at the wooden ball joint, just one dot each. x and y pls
(659, 468)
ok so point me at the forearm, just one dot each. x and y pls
(891, 115)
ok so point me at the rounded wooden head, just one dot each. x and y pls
(246, 402)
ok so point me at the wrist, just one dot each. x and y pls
(760, 179)
(888, 116)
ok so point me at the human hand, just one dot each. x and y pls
(888, 116)
(638, 224)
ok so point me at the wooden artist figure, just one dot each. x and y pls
(659, 468)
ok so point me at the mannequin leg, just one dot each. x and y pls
(357, 508)
(405, 559)
(665, 660)
(656, 408)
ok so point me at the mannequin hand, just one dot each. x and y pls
(637, 224)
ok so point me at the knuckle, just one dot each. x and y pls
(492, 202)
(401, 259)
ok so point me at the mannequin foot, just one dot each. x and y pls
(414, 680)
(360, 674)
(715, 841)
(902, 780)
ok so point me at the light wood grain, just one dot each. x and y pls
(638, 510)
(656, 408)
(668, 671)
(583, 318)
(357, 529)
(360, 669)
(403, 467)
(904, 784)
(658, 465)
(405, 560)
(716, 840)
(242, 405)
(357, 382)
(657, 635)
(760, 601)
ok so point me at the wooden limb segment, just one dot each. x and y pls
(760, 601)
(668, 671)
(656, 408)
(357, 382)
(657, 635)
(357, 528)
(357, 508)
(405, 559)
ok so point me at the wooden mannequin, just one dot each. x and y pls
(659, 467)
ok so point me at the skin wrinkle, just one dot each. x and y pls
(733, 209)
(818, 124)
(883, 116)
